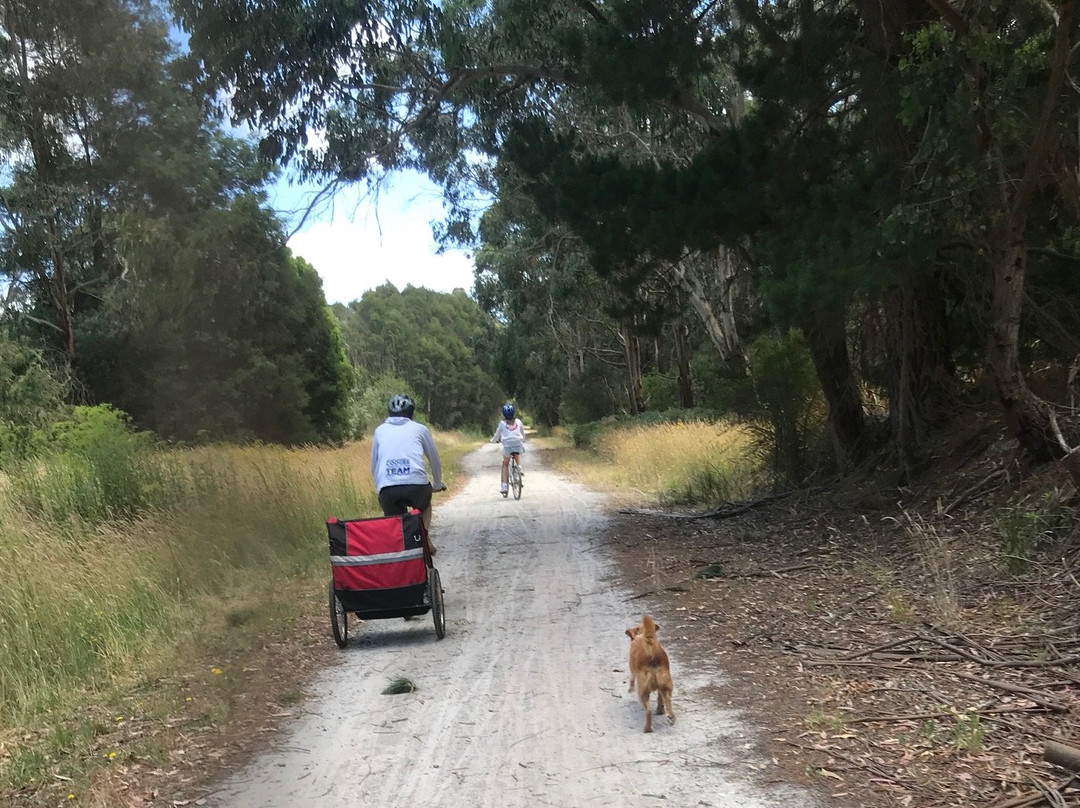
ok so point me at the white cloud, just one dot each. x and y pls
(356, 246)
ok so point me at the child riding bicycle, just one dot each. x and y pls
(511, 434)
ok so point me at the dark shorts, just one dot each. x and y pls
(396, 499)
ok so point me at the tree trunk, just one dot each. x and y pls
(826, 340)
(632, 351)
(920, 365)
(1028, 417)
(684, 385)
(717, 310)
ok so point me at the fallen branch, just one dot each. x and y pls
(777, 571)
(727, 510)
(1042, 699)
(971, 491)
(1067, 757)
(1030, 800)
(882, 647)
(648, 592)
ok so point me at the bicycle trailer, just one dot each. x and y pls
(382, 567)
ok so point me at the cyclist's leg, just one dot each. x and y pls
(393, 501)
(505, 470)
(397, 499)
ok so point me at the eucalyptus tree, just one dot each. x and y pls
(78, 78)
(991, 86)
(136, 238)
(782, 133)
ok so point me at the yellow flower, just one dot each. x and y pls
(112, 755)
(216, 671)
(119, 718)
(187, 698)
(71, 796)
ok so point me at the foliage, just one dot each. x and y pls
(91, 466)
(31, 397)
(659, 389)
(137, 241)
(788, 403)
(369, 403)
(437, 344)
(1032, 525)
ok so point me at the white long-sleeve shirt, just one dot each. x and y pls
(398, 449)
(510, 434)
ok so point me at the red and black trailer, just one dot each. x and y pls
(382, 567)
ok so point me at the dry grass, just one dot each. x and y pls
(680, 463)
(90, 614)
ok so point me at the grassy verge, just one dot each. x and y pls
(689, 464)
(117, 621)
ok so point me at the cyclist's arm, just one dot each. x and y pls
(433, 458)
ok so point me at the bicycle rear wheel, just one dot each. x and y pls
(435, 595)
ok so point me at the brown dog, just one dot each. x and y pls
(649, 668)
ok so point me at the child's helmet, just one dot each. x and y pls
(508, 410)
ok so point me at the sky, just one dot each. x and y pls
(359, 241)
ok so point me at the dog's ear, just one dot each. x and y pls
(633, 632)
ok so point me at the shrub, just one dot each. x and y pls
(790, 407)
(31, 396)
(1030, 526)
(660, 391)
(93, 465)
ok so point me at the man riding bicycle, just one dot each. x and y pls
(511, 434)
(398, 449)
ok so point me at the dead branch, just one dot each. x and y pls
(1067, 757)
(882, 647)
(727, 510)
(978, 488)
(1042, 699)
(777, 572)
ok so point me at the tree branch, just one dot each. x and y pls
(950, 15)
(1040, 147)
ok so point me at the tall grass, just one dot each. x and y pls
(91, 598)
(688, 463)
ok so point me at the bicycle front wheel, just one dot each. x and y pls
(515, 479)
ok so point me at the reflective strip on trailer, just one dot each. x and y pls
(380, 558)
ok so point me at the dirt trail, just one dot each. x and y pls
(524, 703)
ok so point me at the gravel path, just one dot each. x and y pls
(524, 703)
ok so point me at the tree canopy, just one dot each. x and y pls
(136, 245)
(827, 154)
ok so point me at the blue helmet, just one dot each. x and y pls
(508, 410)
